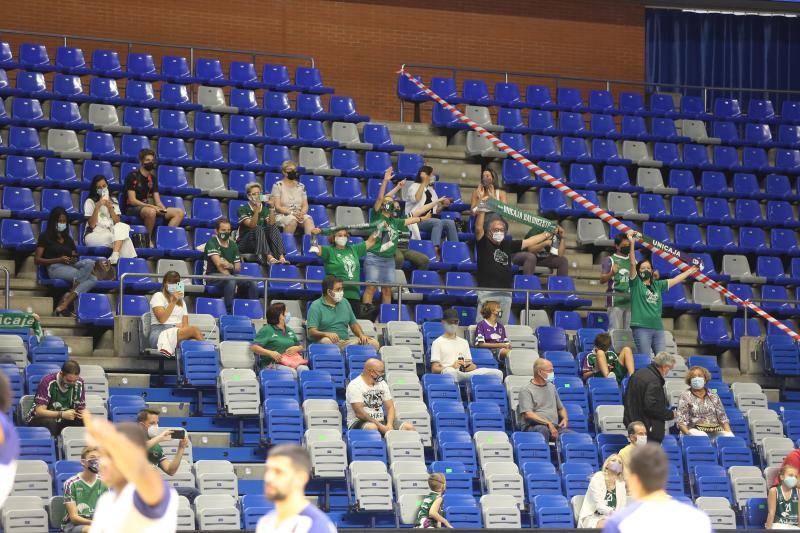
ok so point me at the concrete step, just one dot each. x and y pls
(249, 470)
(128, 379)
(27, 268)
(119, 364)
(79, 346)
(410, 128)
(10, 265)
(41, 305)
(415, 141)
(206, 439)
(171, 408)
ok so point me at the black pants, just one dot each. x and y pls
(262, 241)
(190, 492)
(356, 305)
(54, 425)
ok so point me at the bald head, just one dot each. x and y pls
(541, 368)
(373, 371)
(373, 364)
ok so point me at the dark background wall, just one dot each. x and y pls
(359, 44)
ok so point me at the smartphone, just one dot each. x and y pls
(265, 197)
(179, 434)
(179, 287)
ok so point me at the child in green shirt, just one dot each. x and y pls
(429, 514)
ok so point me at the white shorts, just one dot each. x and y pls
(283, 220)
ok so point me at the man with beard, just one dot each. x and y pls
(288, 470)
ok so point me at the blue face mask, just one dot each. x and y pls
(287, 317)
(61, 226)
(697, 382)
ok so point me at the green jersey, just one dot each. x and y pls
(620, 282)
(425, 507)
(155, 454)
(83, 495)
(246, 211)
(229, 253)
(612, 359)
(272, 338)
(387, 243)
(611, 498)
(786, 510)
(345, 265)
(647, 303)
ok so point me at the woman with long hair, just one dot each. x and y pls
(103, 224)
(607, 494)
(168, 310)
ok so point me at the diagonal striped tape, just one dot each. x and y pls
(597, 210)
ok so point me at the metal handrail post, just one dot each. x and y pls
(266, 297)
(399, 302)
(7, 295)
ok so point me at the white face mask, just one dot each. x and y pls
(340, 241)
(640, 440)
(451, 328)
(337, 296)
(498, 236)
(153, 431)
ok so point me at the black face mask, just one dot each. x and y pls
(93, 466)
(625, 250)
(149, 166)
(292, 175)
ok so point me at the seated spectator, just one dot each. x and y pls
(223, 259)
(539, 408)
(56, 251)
(369, 401)
(548, 253)
(103, 224)
(60, 399)
(782, 501)
(81, 493)
(490, 333)
(148, 420)
(603, 362)
(290, 201)
(430, 514)
(276, 344)
(258, 233)
(421, 193)
(450, 354)
(607, 493)
(792, 459)
(169, 317)
(330, 318)
(637, 436)
(488, 188)
(141, 198)
(700, 411)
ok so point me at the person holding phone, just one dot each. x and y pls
(421, 193)
(168, 310)
(60, 399)
(258, 232)
(488, 188)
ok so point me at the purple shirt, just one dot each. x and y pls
(484, 332)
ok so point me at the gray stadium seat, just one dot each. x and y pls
(346, 215)
(639, 153)
(211, 182)
(482, 116)
(94, 378)
(315, 161)
(73, 441)
(33, 479)
(710, 299)
(96, 405)
(513, 385)
(236, 354)
(609, 418)
(503, 478)
(322, 414)
(346, 134)
(404, 385)
(398, 358)
(216, 477)
(747, 482)
(651, 180)
(213, 99)
(185, 515)
(622, 338)
(66, 142)
(404, 446)
(520, 362)
(372, 486)
(13, 350)
(536, 318)
(328, 452)
(696, 130)
(216, 512)
(415, 412)
(24, 514)
(718, 510)
(738, 268)
(593, 232)
(775, 449)
(480, 146)
(105, 118)
(240, 391)
(492, 446)
(409, 477)
(621, 205)
(499, 512)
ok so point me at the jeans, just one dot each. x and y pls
(501, 297)
(79, 273)
(544, 430)
(649, 341)
(247, 289)
(438, 225)
(528, 261)
(619, 318)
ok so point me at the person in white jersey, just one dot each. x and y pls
(285, 478)
(138, 499)
(9, 442)
(653, 510)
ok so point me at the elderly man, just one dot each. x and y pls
(369, 401)
(450, 354)
(645, 399)
(637, 436)
(539, 408)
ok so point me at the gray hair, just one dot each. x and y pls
(539, 363)
(635, 424)
(664, 359)
(251, 185)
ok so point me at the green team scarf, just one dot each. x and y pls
(371, 228)
(20, 320)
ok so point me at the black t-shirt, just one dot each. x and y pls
(144, 187)
(494, 262)
(53, 248)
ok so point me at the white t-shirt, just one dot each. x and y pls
(658, 517)
(127, 513)
(372, 397)
(309, 520)
(104, 220)
(446, 351)
(175, 318)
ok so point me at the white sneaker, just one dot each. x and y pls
(113, 258)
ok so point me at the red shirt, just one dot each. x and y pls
(793, 459)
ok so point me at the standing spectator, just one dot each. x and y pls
(81, 493)
(548, 253)
(369, 401)
(490, 333)
(141, 198)
(450, 354)
(488, 188)
(103, 225)
(494, 255)
(782, 501)
(421, 193)
(429, 514)
(60, 400)
(637, 436)
(606, 494)
(700, 411)
(647, 303)
(167, 312)
(9, 442)
(148, 419)
(223, 259)
(286, 475)
(379, 262)
(645, 399)
(616, 272)
(330, 318)
(56, 251)
(277, 345)
(258, 232)
(138, 499)
(290, 201)
(654, 510)
(603, 362)
(539, 408)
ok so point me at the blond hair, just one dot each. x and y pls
(437, 482)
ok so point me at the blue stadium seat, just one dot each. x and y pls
(476, 92)
(507, 95)
(538, 96)
(309, 80)
(601, 102)
(95, 309)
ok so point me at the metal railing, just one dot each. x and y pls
(606, 83)
(6, 287)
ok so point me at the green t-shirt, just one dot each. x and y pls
(344, 264)
(612, 359)
(425, 507)
(786, 510)
(647, 302)
(330, 319)
(387, 243)
(620, 282)
(155, 454)
(272, 338)
(83, 495)
(246, 211)
(229, 253)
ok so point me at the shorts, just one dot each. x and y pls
(358, 424)
(379, 270)
(282, 220)
(134, 210)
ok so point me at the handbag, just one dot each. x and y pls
(140, 240)
(292, 359)
(104, 271)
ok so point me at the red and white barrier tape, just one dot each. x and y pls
(596, 209)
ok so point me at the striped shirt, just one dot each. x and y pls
(53, 397)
